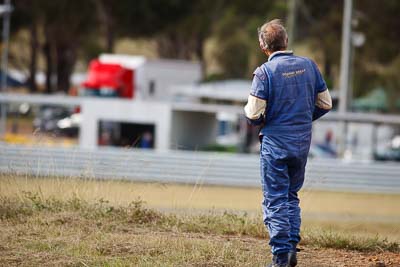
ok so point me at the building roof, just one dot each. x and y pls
(134, 62)
(228, 90)
(126, 61)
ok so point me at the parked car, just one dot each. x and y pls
(69, 126)
(391, 152)
(47, 118)
(322, 151)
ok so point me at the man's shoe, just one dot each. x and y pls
(280, 260)
(277, 265)
(293, 258)
(293, 255)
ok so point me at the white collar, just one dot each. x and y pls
(279, 52)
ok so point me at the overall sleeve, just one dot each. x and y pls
(257, 101)
(323, 103)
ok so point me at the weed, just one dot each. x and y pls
(13, 209)
(329, 239)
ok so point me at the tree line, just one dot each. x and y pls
(65, 31)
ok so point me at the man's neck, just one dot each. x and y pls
(283, 51)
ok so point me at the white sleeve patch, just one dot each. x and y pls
(255, 107)
(324, 100)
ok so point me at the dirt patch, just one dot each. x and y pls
(317, 257)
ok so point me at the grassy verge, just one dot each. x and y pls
(228, 224)
(349, 214)
(334, 206)
(47, 231)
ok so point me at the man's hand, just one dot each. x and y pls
(256, 122)
(319, 112)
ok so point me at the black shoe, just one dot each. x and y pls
(293, 255)
(277, 265)
(277, 262)
(293, 258)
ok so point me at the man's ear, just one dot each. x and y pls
(261, 44)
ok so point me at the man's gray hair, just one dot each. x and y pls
(273, 36)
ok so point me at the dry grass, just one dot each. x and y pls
(107, 244)
(38, 231)
(364, 215)
(200, 197)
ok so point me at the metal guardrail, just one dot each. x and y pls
(191, 168)
(76, 101)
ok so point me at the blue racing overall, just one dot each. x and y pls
(290, 86)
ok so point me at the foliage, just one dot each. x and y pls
(238, 51)
(320, 22)
(66, 31)
(63, 29)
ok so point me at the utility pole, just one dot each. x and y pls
(345, 71)
(292, 21)
(5, 11)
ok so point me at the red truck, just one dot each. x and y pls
(108, 80)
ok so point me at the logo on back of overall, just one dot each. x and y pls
(293, 73)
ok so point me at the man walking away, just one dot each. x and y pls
(287, 94)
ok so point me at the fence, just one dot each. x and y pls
(191, 168)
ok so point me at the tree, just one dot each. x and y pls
(377, 59)
(65, 28)
(63, 24)
(184, 38)
(320, 24)
(238, 50)
(25, 17)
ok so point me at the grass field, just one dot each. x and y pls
(356, 213)
(72, 222)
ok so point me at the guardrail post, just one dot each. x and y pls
(6, 11)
